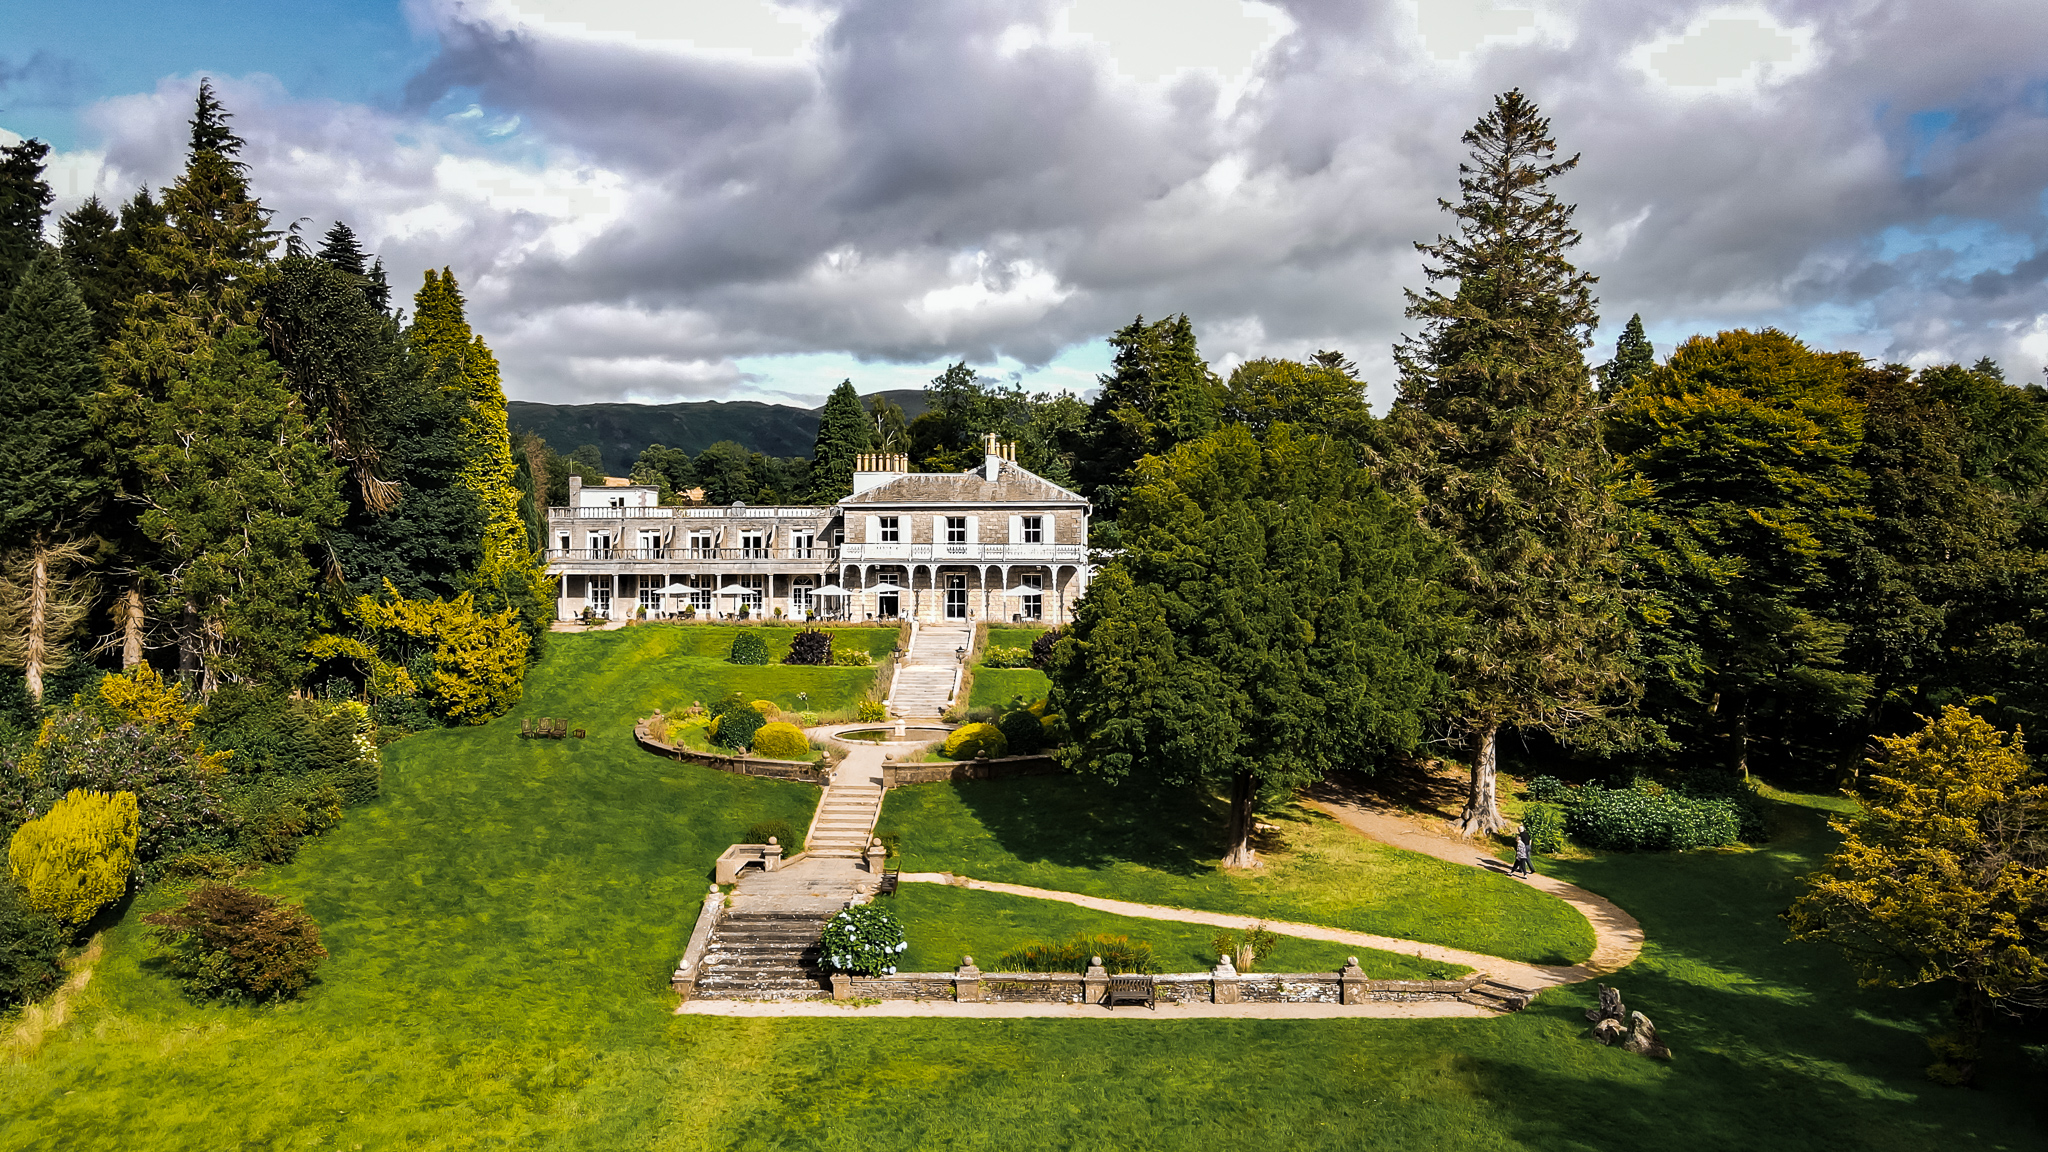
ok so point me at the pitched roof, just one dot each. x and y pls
(1012, 485)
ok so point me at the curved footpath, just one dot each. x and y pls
(1617, 941)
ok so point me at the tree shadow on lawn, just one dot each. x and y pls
(1078, 822)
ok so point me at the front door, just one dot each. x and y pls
(956, 597)
(601, 595)
(885, 605)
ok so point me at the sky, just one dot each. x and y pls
(753, 199)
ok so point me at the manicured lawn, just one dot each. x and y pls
(686, 663)
(944, 923)
(1013, 637)
(995, 687)
(1073, 834)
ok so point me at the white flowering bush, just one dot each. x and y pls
(864, 940)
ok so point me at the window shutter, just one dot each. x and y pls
(874, 534)
(974, 529)
(938, 529)
(1016, 529)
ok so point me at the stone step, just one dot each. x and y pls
(1498, 997)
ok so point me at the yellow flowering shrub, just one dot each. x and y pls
(479, 657)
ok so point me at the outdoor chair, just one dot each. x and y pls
(526, 730)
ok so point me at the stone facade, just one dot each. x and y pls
(995, 543)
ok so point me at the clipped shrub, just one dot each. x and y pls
(864, 939)
(31, 949)
(1022, 732)
(231, 942)
(810, 646)
(870, 712)
(851, 658)
(1120, 955)
(78, 857)
(735, 727)
(779, 831)
(1041, 648)
(1546, 827)
(765, 707)
(971, 740)
(748, 648)
(998, 656)
(781, 741)
(1648, 818)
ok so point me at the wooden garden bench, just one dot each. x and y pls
(888, 885)
(1132, 989)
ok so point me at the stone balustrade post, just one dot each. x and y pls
(842, 986)
(1223, 983)
(1352, 986)
(1095, 982)
(772, 858)
(967, 981)
(878, 857)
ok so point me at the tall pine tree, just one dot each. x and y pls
(1634, 357)
(1159, 392)
(48, 369)
(24, 201)
(843, 432)
(1494, 442)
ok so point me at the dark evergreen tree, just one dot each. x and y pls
(843, 433)
(209, 127)
(1493, 441)
(1634, 357)
(335, 348)
(1273, 616)
(24, 201)
(339, 248)
(48, 368)
(433, 536)
(1159, 392)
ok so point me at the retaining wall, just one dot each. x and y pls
(993, 768)
(817, 773)
(1341, 987)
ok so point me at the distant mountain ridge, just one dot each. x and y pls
(623, 431)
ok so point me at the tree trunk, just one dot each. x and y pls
(131, 626)
(188, 644)
(1742, 739)
(36, 644)
(1244, 791)
(1482, 805)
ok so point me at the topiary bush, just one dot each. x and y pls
(781, 741)
(765, 707)
(230, 942)
(1041, 648)
(971, 740)
(1022, 732)
(735, 728)
(77, 858)
(1546, 827)
(810, 646)
(998, 656)
(748, 648)
(1120, 955)
(865, 940)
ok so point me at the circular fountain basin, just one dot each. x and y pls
(888, 735)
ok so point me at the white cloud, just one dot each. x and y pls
(1451, 29)
(1149, 41)
(749, 28)
(1729, 49)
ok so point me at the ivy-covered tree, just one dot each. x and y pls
(49, 488)
(1274, 615)
(843, 433)
(1493, 441)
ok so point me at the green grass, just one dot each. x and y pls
(504, 920)
(1073, 834)
(1004, 637)
(995, 687)
(944, 923)
(686, 663)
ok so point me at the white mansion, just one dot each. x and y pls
(994, 543)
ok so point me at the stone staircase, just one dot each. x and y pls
(763, 955)
(1498, 997)
(846, 818)
(924, 684)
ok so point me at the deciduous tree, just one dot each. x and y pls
(1274, 615)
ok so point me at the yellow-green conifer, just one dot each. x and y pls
(76, 859)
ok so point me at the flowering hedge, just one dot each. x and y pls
(864, 940)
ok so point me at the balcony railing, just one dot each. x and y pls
(819, 554)
(765, 512)
(1012, 553)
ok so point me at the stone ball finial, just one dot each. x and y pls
(967, 961)
(1095, 960)
(874, 841)
(714, 890)
(773, 840)
(1351, 960)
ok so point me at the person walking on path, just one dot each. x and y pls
(1522, 866)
